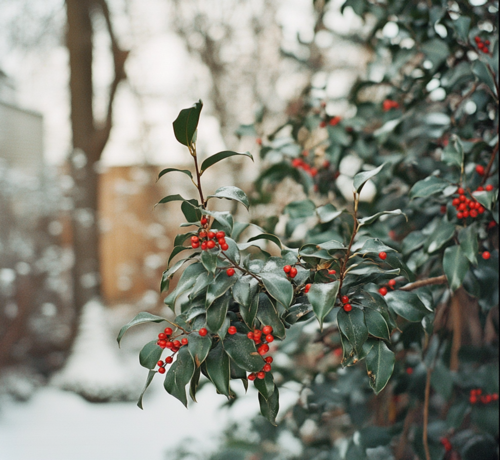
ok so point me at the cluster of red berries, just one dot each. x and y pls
(388, 104)
(467, 207)
(446, 444)
(209, 240)
(346, 305)
(290, 271)
(482, 45)
(173, 345)
(260, 337)
(301, 164)
(476, 395)
(334, 121)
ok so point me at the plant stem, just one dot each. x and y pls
(348, 252)
(490, 164)
(427, 282)
(241, 268)
(176, 325)
(192, 151)
(426, 413)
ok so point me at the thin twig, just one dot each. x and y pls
(426, 414)
(490, 164)
(241, 268)
(427, 282)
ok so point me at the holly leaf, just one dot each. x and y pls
(352, 324)
(242, 351)
(407, 305)
(278, 288)
(150, 354)
(380, 366)
(216, 313)
(468, 238)
(218, 369)
(179, 375)
(186, 123)
(141, 318)
(168, 170)
(210, 161)
(265, 386)
(268, 316)
(455, 266)
(322, 298)
(231, 193)
(149, 379)
(269, 408)
(376, 324)
(362, 178)
(427, 187)
(199, 347)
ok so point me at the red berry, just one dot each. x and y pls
(210, 244)
(306, 289)
(455, 202)
(184, 341)
(305, 153)
(261, 375)
(382, 291)
(230, 271)
(460, 215)
(221, 241)
(296, 162)
(177, 343)
(480, 210)
(382, 255)
(211, 235)
(293, 272)
(169, 345)
(162, 336)
(485, 50)
(267, 368)
(335, 121)
(160, 363)
(169, 360)
(168, 331)
(494, 397)
(477, 39)
(263, 349)
(487, 399)
(162, 343)
(204, 246)
(287, 268)
(487, 42)
(344, 299)
(473, 399)
(204, 221)
(332, 272)
(347, 307)
(220, 235)
(267, 330)
(465, 214)
(257, 333)
(489, 188)
(195, 245)
(460, 191)
(161, 370)
(473, 213)
(203, 332)
(224, 247)
(462, 207)
(250, 335)
(232, 330)
(202, 234)
(251, 377)
(269, 360)
(194, 239)
(486, 255)
(409, 370)
(480, 170)
(269, 338)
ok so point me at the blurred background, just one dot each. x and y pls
(88, 92)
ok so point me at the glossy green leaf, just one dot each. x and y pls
(199, 347)
(327, 213)
(167, 170)
(191, 211)
(322, 298)
(469, 242)
(427, 187)
(278, 288)
(265, 386)
(150, 354)
(486, 198)
(179, 375)
(461, 25)
(193, 385)
(248, 314)
(141, 318)
(269, 237)
(407, 305)
(149, 379)
(218, 369)
(224, 220)
(244, 290)
(362, 178)
(242, 351)
(300, 209)
(269, 408)
(170, 198)
(209, 260)
(455, 266)
(439, 237)
(371, 219)
(216, 313)
(332, 245)
(396, 261)
(352, 324)
(210, 161)
(374, 245)
(219, 287)
(231, 193)
(376, 324)
(186, 123)
(268, 316)
(380, 366)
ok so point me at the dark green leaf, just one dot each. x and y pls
(249, 313)
(242, 351)
(322, 298)
(374, 245)
(270, 408)
(376, 324)
(278, 287)
(455, 266)
(268, 316)
(457, 413)
(379, 365)
(486, 198)
(199, 347)
(244, 290)
(179, 375)
(440, 236)
(461, 25)
(170, 198)
(141, 318)
(396, 262)
(219, 287)
(149, 379)
(407, 305)
(352, 324)
(216, 313)
(427, 187)
(186, 123)
(150, 354)
(210, 161)
(191, 211)
(327, 213)
(468, 238)
(362, 178)
(332, 245)
(167, 170)
(231, 193)
(209, 260)
(269, 237)
(371, 219)
(218, 371)
(300, 209)
(265, 386)
(193, 385)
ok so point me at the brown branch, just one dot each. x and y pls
(427, 282)
(490, 165)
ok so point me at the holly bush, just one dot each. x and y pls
(403, 284)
